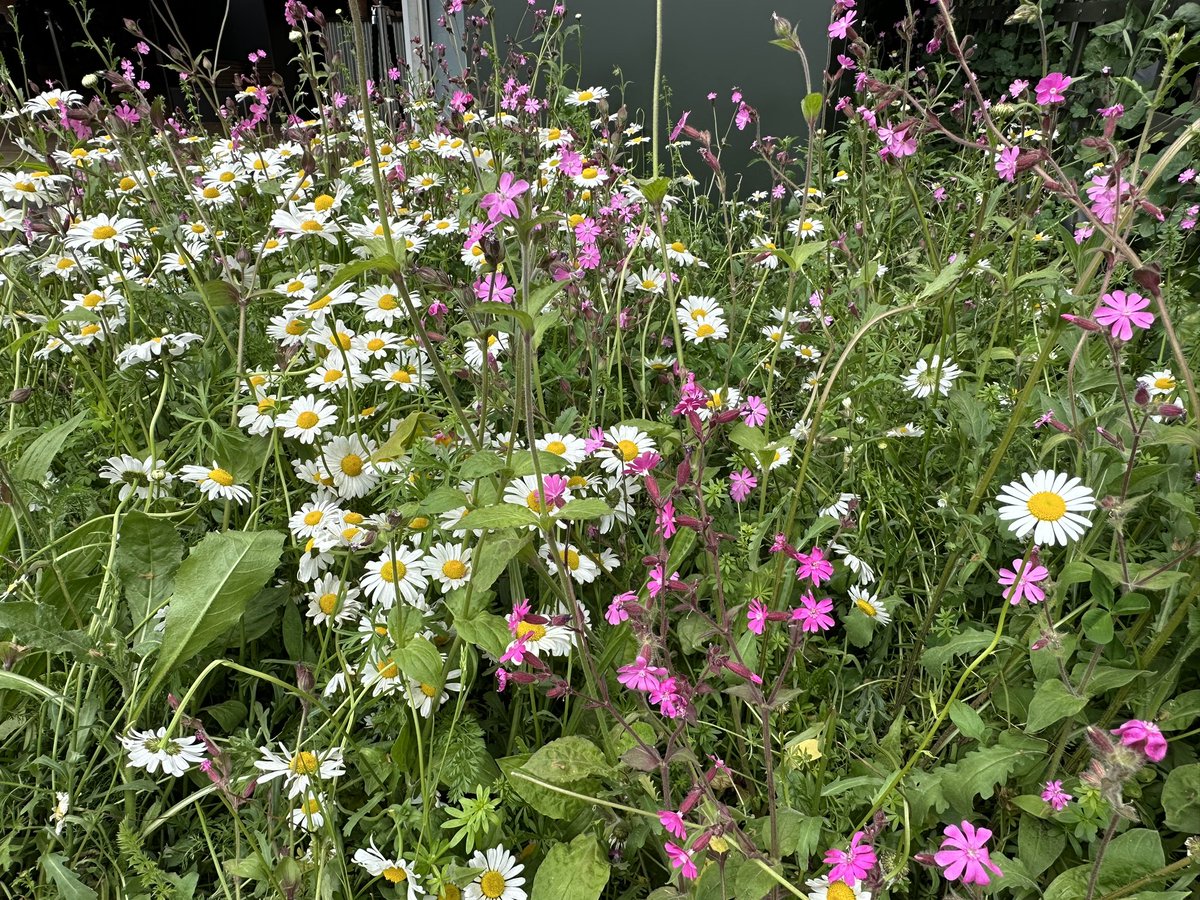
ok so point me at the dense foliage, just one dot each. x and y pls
(448, 486)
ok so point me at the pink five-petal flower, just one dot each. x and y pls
(1051, 89)
(1006, 163)
(756, 616)
(1054, 794)
(840, 27)
(813, 614)
(814, 566)
(1121, 311)
(673, 822)
(639, 675)
(1143, 736)
(852, 865)
(502, 202)
(741, 484)
(681, 859)
(754, 411)
(964, 854)
(1021, 581)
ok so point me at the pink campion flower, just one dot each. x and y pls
(502, 202)
(756, 616)
(1144, 737)
(1018, 87)
(678, 127)
(851, 865)
(741, 484)
(1189, 219)
(846, 63)
(681, 859)
(1051, 89)
(570, 163)
(639, 675)
(780, 544)
(840, 28)
(616, 612)
(743, 117)
(1121, 311)
(1187, 176)
(494, 288)
(1021, 581)
(519, 611)
(1083, 232)
(587, 231)
(754, 411)
(964, 854)
(1106, 198)
(1111, 112)
(594, 441)
(735, 96)
(668, 699)
(814, 566)
(673, 823)
(1006, 163)
(143, 48)
(658, 580)
(461, 100)
(516, 651)
(664, 523)
(813, 614)
(1054, 794)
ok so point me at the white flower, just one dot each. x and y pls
(398, 572)
(925, 377)
(1048, 503)
(104, 231)
(584, 97)
(310, 814)
(331, 601)
(581, 567)
(869, 604)
(306, 418)
(839, 507)
(151, 750)
(806, 228)
(822, 889)
(1159, 384)
(500, 879)
(215, 483)
(909, 430)
(137, 477)
(449, 565)
(421, 695)
(866, 575)
(568, 446)
(393, 871)
(349, 463)
(58, 815)
(623, 444)
(300, 769)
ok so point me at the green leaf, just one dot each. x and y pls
(442, 499)
(583, 508)
(1098, 626)
(483, 463)
(11, 681)
(35, 461)
(575, 871)
(654, 189)
(802, 252)
(536, 302)
(396, 446)
(811, 106)
(1179, 712)
(798, 833)
(212, 586)
(548, 802)
(748, 438)
(147, 557)
(979, 772)
(502, 515)
(1181, 799)
(352, 270)
(485, 630)
(220, 293)
(522, 463)
(1040, 844)
(36, 625)
(524, 319)
(68, 883)
(1051, 702)
(420, 661)
(567, 761)
(1129, 857)
(967, 720)
(491, 557)
(970, 641)
(751, 881)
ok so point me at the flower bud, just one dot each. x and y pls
(90, 80)
(1171, 411)
(1081, 322)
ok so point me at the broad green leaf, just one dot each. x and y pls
(811, 106)
(524, 319)
(352, 270)
(548, 802)
(536, 301)
(220, 293)
(485, 462)
(748, 438)
(442, 499)
(967, 720)
(970, 641)
(654, 189)
(147, 558)
(584, 508)
(68, 883)
(979, 772)
(502, 515)
(1098, 626)
(567, 760)
(798, 833)
(751, 881)
(212, 586)
(575, 871)
(36, 625)
(11, 681)
(1040, 844)
(1129, 857)
(1179, 712)
(396, 446)
(522, 463)
(1051, 702)
(492, 556)
(35, 461)
(1181, 799)
(487, 631)
(420, 661)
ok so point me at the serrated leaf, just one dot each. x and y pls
(575, 871)
(441, 500)
(212, 586)
(979, 772)
(35, 625)
(68, 883)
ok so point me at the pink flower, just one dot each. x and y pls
(1050, 90)
(1187, 175)
(754, 412)
(1105, 198)
(756, 616)
(741, 484)
(673, 822)
(1017, 87)
(668, 699)
(1056, 796)
(616, 612)
(1022, 580)
(681, 859)
(1083, 232)
(964, 853)
(854, 864)
(494, 288)
(515, 652)
(502, 202)
(1121, 311)
(840, 27)
(665, 520)
(814, 566)
(1143, 736)
(640, 675)
(812, 614)
(743, 117)
(1111, 112)
(678, 127)
(1006, 164)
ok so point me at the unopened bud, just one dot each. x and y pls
(304, 678)
(1081, 322)
(1149, 277)
(1141, 396)
(1171, 411)
(90, 80)
(783, 28)
(20, 395)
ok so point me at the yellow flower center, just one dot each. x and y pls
(558, 448)
(585, 96)
(341, 340)
(402, 376)
(572, 560)
(1165, 384)
(307, 419)
(293, 286)
(265, 405)
(868, 608)
(332, 375)
(806, 226)
(127, 183)
(296, 327)
(199, 228)
(492, 884)
(376, 344)
(328, 603)
(353, 518)
(450, 892)
(394, 874)
(305, 763)
(221, 477)
(311, 806)
(387, 669)
(89, 329)
(52, 102)
(311, 225)
(531, 630)
(104, 232)
(391, 572)
(322, 303)
(705, 330)
(27, 187)
(839, 890)
(454, 569)
(211, 193)
(628, 449)
(679, 247)
(428, 690)
(576, 481)
(323, 202)
(64, 263)
(533, 501)
(352, 465)
(418, 523)
(387, 301)
(589, 173)
(553, 134)
(699, 313)
(91, 301)
(313, 517)
(1046, 506)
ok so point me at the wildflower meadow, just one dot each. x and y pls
(461, 484)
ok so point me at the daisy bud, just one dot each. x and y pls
(1081, 322)
(294, 36)
(89, 80)
(304, 678)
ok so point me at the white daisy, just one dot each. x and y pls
(421, 695)
(908, 430)
(583, 98)
(215, 483)
(349, 463)
(500, 879)
(307, 418)
(449, 565)
(623, 444)
(925, 377)
(568, 446)
(331, 601)
(301, 768)
(314, 514)
(151, 750)
(823, 889)
(398, 572)
(310, 814)
(869, 604)
(1050, 504)
(393, 871)
(581, 567)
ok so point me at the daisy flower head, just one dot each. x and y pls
(421, 696)
(310, 814)
(152, 750)
(331, 601)
(393, 871)
(1160, 384)
(300, 769)
(585, 96)
(568, 446)
(907, 430)
(806, 228)
(869, 604)
(623, 444)
(581, 567)
(711, 329)
(1051, 505)
(826, 888)
(216, 483)
(500, 878)
(449, 565)
(935, 375)
(102, 232)
(349, 463)
(398, 572)
(307, 418)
